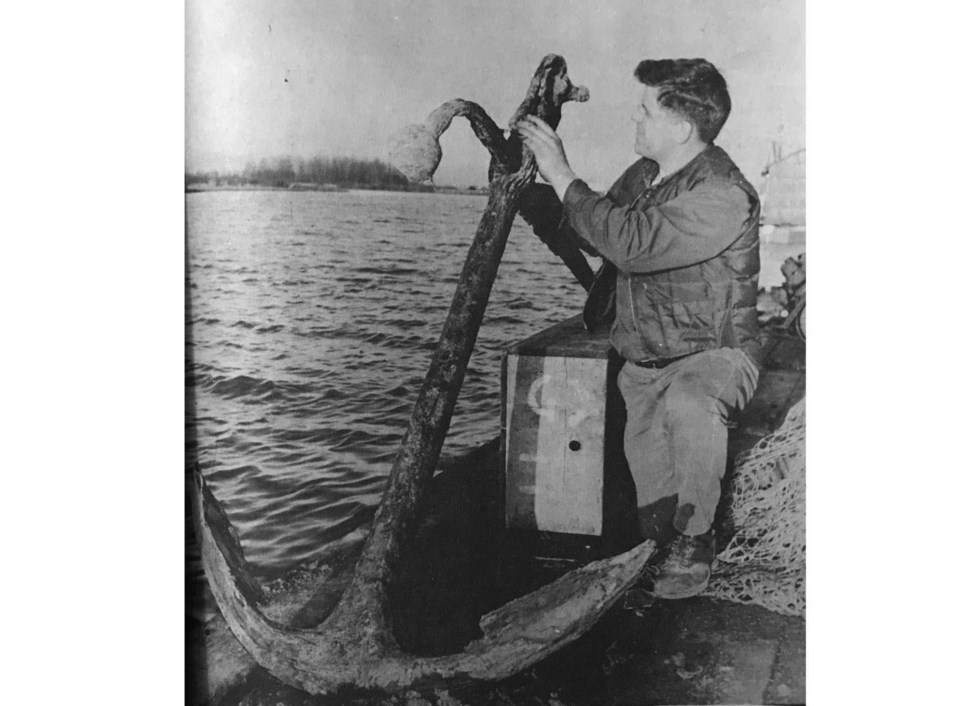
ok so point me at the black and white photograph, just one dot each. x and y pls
(456, 353)
(495, 352)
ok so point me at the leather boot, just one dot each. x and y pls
(683, 569)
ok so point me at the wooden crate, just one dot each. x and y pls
(562, 432)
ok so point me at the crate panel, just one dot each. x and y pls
(554, 442)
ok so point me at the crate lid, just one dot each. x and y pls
(568, 339)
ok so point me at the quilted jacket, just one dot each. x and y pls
(682, 257)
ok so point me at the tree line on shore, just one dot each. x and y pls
(282, 172)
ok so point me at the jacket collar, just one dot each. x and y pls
(707, 154)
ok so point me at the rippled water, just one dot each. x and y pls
(311, 321)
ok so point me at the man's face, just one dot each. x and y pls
(656, 126)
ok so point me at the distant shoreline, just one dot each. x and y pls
(201, 187)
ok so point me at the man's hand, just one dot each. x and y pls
(547, 147)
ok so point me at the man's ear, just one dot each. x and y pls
(683, 131)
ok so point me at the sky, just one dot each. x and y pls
(266, 78)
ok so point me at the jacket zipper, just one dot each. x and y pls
(633, 310)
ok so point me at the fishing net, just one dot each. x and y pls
(764, 563)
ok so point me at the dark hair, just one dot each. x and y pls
(693, 88)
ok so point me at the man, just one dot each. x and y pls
(680, 228)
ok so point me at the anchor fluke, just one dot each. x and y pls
(415, 152)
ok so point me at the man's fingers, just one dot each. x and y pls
(531, 132)
(534, 125)
(528, 135)
(526, 129)
(541, 126)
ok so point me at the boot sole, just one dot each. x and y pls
(677, 595)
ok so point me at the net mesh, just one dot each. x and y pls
(764, 563)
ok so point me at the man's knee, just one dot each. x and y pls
(692, 395)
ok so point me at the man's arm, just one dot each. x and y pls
(695, 226)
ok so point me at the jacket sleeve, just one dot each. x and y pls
(693, 227)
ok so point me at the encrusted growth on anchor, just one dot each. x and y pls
(415, 149)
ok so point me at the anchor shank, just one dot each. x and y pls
(365, 605)
(365, 599)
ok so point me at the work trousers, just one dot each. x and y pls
(676, 431)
